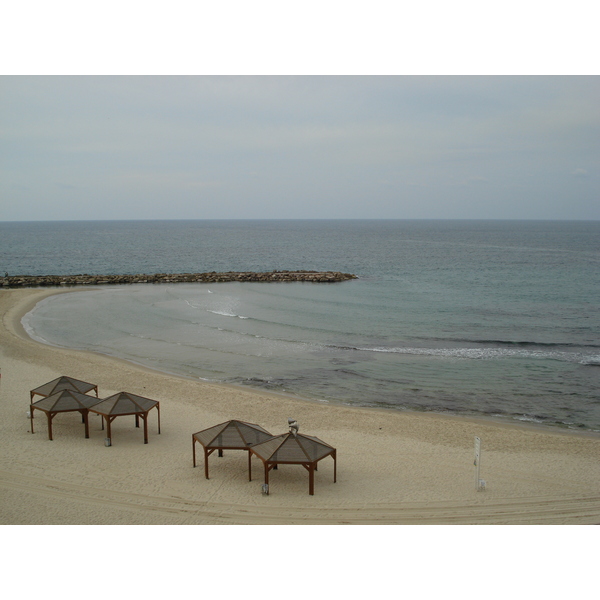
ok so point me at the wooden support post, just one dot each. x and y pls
(249, 465)
(194, 449)
(145, 419)
(206, 463)
(311, 479)
(334, 467)
(31, 417)
(49, 415)
(137, 421)
(84, 414)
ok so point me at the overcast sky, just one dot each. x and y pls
(312, 147)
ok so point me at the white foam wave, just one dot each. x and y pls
(485, 353)
(190, 304)
(31, 331)
(226, 314)
(591, 360)
(527, 419)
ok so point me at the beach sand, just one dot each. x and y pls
(392, 467)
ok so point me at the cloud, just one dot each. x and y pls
(579, 172)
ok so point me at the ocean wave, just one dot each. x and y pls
(517, 343)
(482, 353)
(31, 332)
(225, 314)
(592, 361)
(191, 305)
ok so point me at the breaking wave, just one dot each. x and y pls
(486, 353)
(225, 314)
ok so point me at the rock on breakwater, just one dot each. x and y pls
(212, 277)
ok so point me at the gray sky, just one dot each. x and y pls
(211, 147)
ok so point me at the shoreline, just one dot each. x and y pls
(394, 466)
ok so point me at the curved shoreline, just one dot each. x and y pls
(31, 303)
(394, 467)
(45, 293)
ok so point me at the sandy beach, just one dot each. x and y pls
(392, 467)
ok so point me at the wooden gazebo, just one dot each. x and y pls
(64, 401)
(231, 435)
(295, 449)
(122, 404)
(63, 383)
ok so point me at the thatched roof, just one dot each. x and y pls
(64, 383)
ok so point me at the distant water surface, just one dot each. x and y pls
(488, 318)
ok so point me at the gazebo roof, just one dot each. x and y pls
(64, 383)
(287, 448)
(232, 434)
(124, 403)
(65, 401)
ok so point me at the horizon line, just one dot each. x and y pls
(536, 219)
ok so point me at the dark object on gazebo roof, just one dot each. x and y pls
(298, 449)
(63, 383)
(125, 403)
(232, 435)
(64, 401)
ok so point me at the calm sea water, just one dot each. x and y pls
(494, 318)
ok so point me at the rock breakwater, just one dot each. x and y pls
(212, 277)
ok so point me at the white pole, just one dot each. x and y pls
(477, 461)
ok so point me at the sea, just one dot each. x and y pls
(494, 319)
